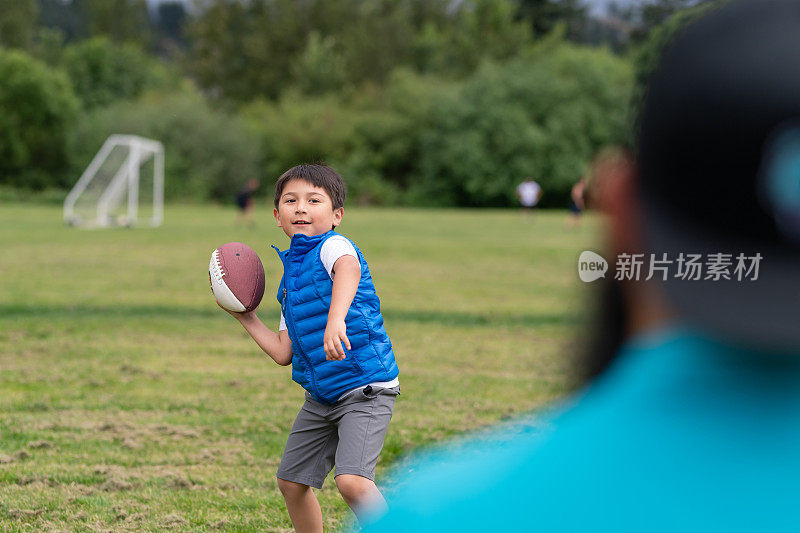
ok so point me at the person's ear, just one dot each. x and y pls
(615, 193)
(277, 218)
(338, 214)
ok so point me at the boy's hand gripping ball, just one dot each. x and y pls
(237, 277)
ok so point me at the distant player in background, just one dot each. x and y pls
(245, 203)
(576, 203)
(529, 192)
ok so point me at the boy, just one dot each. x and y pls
(332, 334)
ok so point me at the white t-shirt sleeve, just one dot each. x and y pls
(333, 249)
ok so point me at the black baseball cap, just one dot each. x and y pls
(718, 153)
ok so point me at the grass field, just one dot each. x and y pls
(130, 401)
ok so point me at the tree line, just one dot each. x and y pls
(421, 102)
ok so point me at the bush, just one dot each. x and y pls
(208, 154)
(383, 161)
(37, 109)
(543, 116)
(445, 143)
(426, 141)
(19, 195)
(103, 72)
(300, 129)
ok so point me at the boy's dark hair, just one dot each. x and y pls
(318, 175)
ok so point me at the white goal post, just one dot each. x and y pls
(115, 174)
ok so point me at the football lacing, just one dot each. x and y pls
(217, 266)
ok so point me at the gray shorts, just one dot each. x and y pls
(348, 434)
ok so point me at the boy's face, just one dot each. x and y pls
(304, 208)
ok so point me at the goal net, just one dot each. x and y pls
(123, 184)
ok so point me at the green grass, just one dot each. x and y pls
(130, 401)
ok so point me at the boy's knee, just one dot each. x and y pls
(354, 487)
(290, 489)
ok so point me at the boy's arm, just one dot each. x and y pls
(347, 272)
(276, 345)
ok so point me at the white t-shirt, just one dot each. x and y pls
(528, 193)
(332, 249)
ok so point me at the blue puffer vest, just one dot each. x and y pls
(305, 298)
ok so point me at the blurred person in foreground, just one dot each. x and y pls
(692, 419)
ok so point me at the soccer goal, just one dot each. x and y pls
(123, 183)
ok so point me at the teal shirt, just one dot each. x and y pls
(682, 433)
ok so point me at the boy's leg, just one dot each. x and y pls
(302, 505)
(306, 461)
(360, 493)
(362, 422)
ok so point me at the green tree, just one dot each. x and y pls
(171, 20)
(18, 23)
(261, 48)
(376, 40)
(320, 68)
(431, 141)
(102, 72)
(119, 20)
(229, 58)
(483, 29)
(37, 110)
(68, 18)
(247, 50)
(49, 46)
(382, 160)
(544, 15)
(543, 116)
(299, 128)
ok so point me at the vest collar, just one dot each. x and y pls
(301, 244)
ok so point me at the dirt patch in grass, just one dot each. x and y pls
(36, 482)
(79, 424)
(173, 520)
(24, 514)
(117, 478)
(19, 455)
(225, 452)
(77, 490)
(174, 478)
(71, 491)
(116, 485)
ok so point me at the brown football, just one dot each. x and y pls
(237, 277)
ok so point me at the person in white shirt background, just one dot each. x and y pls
(529, 192)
